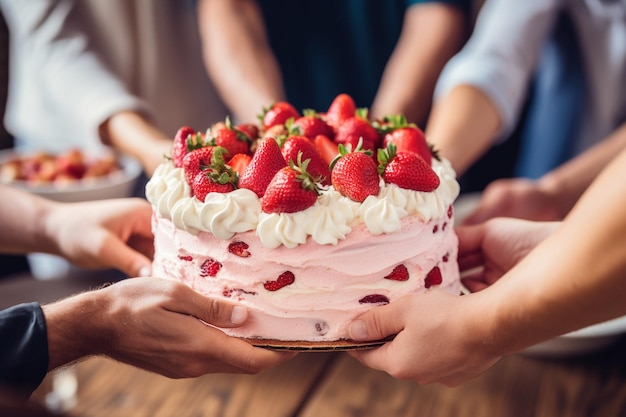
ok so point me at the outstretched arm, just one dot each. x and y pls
(553, 195)
(238, 56)
(572, 279)
(481, 91)
(431, 34)
(97, 234)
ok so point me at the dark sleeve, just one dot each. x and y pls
(23, 347)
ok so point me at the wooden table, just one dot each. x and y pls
(336, 385)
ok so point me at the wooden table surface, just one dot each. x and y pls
(336, 385)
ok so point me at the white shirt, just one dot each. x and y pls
(74, 63)
(503, 51)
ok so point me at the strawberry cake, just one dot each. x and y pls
(307, 219)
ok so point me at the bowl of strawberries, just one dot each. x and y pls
(70, 176)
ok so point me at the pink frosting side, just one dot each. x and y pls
(329, 280)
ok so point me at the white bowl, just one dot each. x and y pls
(116, 185)
(580, 342)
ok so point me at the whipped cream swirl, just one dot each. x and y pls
(329, 220)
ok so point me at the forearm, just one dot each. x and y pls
(238, 56)
(132, 134)
(574, 278)
(463, 125)
(431, 34)
(23, 219)
(73, 328)
(570, 180)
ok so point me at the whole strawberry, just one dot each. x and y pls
(195, 161)
(356, 128)
(231, 139)
(265, 163)
(185, 140)
(406, 136)
(249, 129)
(326, 148)
(341, 109)
(278, 114)
(215, 178)
(354, 174)
(239, 163)
(406, 170)
(310, 125)
(291, 190)
(204, 183)
(317, 167)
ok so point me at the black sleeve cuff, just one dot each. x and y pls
(23, 347)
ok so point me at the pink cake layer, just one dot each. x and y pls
(330, 280)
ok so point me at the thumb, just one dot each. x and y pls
(213, 311)
(378, 323)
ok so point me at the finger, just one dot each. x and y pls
(378, 323)
(237, 355)
(212, 311)
(254, 359)
(470, 261)
(117, 254)
(378, 358)
(474, 284)
(470, 239)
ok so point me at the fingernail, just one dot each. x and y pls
(358, 330)
(145, 271)
(238, 315)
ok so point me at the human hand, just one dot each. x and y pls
(104, 234)
(519, 198)
(488, 250)
(157, 325)
(438, 339)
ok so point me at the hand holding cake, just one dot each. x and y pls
(156, 324)
(535, 281)
(152, 323)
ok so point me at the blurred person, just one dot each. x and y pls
(575, 103)
(155, 324)
(553, 195)
(387, 55)
(90, 73)
(531, 281)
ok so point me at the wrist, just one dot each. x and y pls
(555, 190)
(74, 328)
(48, 227)
(131, 133)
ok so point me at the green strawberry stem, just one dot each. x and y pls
(385, 156)
(309, 182)
(344, 150)
(218, 171)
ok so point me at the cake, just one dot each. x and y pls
(305, 267)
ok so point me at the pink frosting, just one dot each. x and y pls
(329, 280)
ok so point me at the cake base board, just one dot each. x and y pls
(323, 346)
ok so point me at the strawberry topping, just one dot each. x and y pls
(284, 279)
(239, 248)
(399, 273)
(374, 299)
(433, 277)
(210, 268)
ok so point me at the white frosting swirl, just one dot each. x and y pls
(328, 221)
